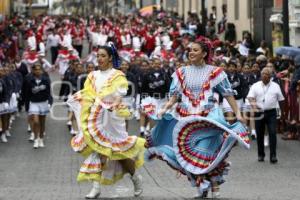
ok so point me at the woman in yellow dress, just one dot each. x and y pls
(103, 140)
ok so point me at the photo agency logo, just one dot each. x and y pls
(130, 99)
(62, 92)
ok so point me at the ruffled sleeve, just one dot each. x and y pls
(175, 86)
(223, 87)
(121, 85)
(89, 91)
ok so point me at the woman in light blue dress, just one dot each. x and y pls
(191, 133)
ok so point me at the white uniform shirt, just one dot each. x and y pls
(42, 48)
(157, 41)
(62, 63)
(136, 42)
(67, 40)
(165, 40)
(98, 39)
(31, 42)
(53, 40)
(266, 96)
(92, 58)
(103, 39)
(126, 39)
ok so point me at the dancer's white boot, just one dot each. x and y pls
(95, 191)
(137, 183)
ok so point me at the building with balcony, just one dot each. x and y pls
(239, 12)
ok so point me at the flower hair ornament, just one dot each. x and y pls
(115, 56)
(206, 44)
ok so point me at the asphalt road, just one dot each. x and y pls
(50, 173)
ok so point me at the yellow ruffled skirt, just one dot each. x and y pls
(103, 140)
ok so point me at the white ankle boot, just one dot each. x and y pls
(137, 183)
(41, 143)
(7, 133)
(3, 138)
(215, 195)
(28, 129)
(95, 191)
(31, 138)
(36, 143)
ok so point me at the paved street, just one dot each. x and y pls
(50, 173)
(154, 38)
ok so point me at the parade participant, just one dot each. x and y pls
(195, 139)
(98, 36)
(31, 40)
(142, 94)
(45, 63)
(66, 37)
(237, 84)
(10, 86)
(18, 77)
(249, 80)
(92, 57)
(14, 80)
(156, 84)
(38, 96)
(62, 61)
(29, 58)
(149, 38)
(129, 99)
(67, 89)
(76, 78)
(4, 103)
(53, 41)
(110, 152)
(77, 33)
(24, 67)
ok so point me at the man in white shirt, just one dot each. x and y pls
(264, 97)
(67, 38)
(31, 41)
(53, 42)
(98, 38)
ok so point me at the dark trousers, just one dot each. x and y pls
(267, 118)
(78, 49)
(54, 54)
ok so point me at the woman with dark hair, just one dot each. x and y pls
(230, 33)
(195, 138)
(4, 104)
(38, 97)
(237, 83)
(143, 91)
(110, 152)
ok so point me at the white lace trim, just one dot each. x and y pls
(192, 71)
